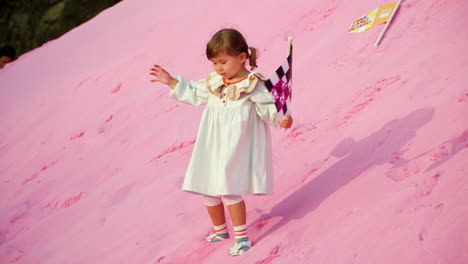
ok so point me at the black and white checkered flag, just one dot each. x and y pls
(280, 85)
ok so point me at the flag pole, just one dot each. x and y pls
(377, 42)
(289, 52)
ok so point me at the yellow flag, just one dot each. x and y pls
(384, 13)
(377, 16)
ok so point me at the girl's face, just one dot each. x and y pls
(229, 66)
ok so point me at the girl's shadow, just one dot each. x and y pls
(373, 150)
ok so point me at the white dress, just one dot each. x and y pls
(232, 153)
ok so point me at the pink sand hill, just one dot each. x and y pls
(374, 170)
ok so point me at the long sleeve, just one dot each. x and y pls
(194, 93)
(265, 105)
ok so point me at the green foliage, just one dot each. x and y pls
(27, 24)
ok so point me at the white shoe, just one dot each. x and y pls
(242, 245)
(216, 237)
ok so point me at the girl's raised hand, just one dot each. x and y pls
(286, 122)
(163, 76)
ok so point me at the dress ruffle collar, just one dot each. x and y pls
(215, 84)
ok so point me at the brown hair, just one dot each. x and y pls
(233, 43)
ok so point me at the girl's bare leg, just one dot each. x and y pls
(238, 214)
(217, 214)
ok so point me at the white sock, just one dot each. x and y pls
(240, 231)
(221, 229)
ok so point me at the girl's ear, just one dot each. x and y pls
(243, 57)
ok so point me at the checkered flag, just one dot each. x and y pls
(280, 83)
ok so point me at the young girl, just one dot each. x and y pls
(232, 154)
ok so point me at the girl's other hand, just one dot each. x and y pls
(163, 76)
(286, 122)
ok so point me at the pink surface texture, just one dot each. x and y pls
(374, 169)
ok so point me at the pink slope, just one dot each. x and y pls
(92, 155)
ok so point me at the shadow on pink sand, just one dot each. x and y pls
(376, 149)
